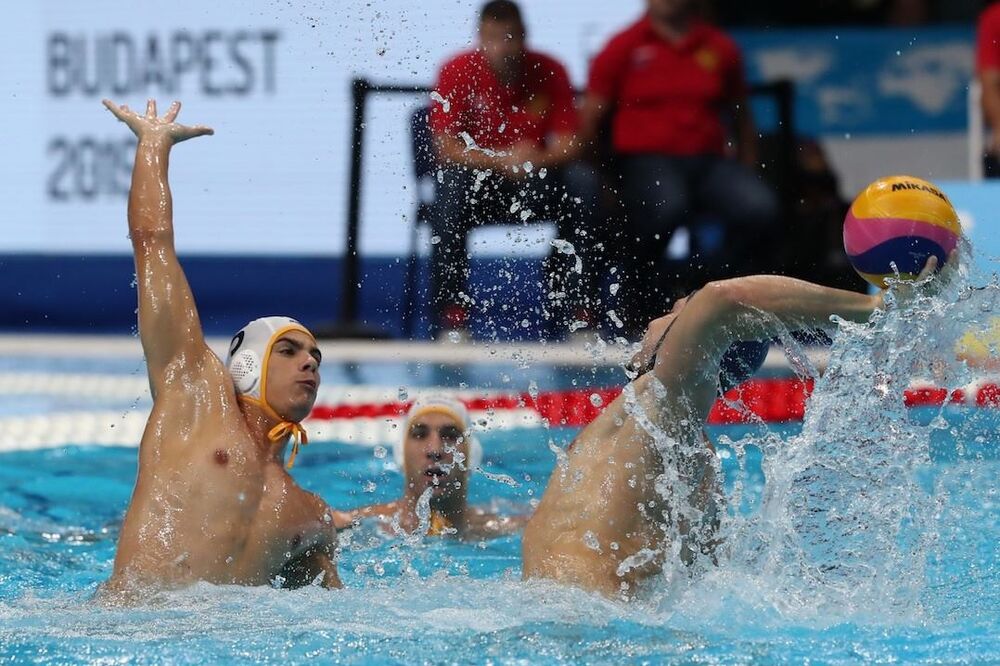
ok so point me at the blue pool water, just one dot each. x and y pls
(442, 601)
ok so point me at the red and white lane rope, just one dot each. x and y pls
(366, 415)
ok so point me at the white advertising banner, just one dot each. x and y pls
(273, 80)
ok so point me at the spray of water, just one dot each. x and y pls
(848, 524)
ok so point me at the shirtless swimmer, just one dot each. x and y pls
(212, 500)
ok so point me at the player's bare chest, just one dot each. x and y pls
(287, 525)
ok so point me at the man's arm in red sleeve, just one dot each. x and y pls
(988, 72)
(563, 122)
(603, 83)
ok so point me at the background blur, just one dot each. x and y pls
(261, 207)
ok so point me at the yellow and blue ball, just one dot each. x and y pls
(899, 220)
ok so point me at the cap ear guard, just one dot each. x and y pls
(249, 351)
(245, 369)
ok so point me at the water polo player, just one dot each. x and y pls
(436, 454)
(639, 491)
(212, 499)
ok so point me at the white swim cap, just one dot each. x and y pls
(441, 405)
(249, 352)
(250, 349)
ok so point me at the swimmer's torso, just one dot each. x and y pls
(206, 506)
(584, 534)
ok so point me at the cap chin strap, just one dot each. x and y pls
(438, 524)
(283, 430)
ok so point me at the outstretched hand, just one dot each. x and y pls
(150, 127)
(929, 281)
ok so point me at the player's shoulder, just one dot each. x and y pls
(198, 363)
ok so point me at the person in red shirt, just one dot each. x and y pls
(670, 82)
(505, 128)
(988, 72)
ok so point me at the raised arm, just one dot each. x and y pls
(747, 308)
(169, 326)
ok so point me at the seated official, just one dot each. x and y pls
(504, 125)
(672, 85)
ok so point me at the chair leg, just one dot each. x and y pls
(410, 283)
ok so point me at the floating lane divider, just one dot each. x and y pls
(367, 415)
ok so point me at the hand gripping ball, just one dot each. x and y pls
(901, 221)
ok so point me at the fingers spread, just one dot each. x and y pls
(151, 109)
(119, 112)
(929, 267)
(183, 133)
(172, 112)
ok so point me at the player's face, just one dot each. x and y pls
(293, 375)
(429, 454)
(502, 42)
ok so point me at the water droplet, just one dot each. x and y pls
(436, 96)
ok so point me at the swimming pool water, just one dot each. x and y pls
(442, 601)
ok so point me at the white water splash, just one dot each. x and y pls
(443, 101)
(565, 247)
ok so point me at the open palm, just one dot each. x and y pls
(152, 127)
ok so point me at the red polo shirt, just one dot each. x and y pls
(988, 39)
(668, 97)
(537, 104)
